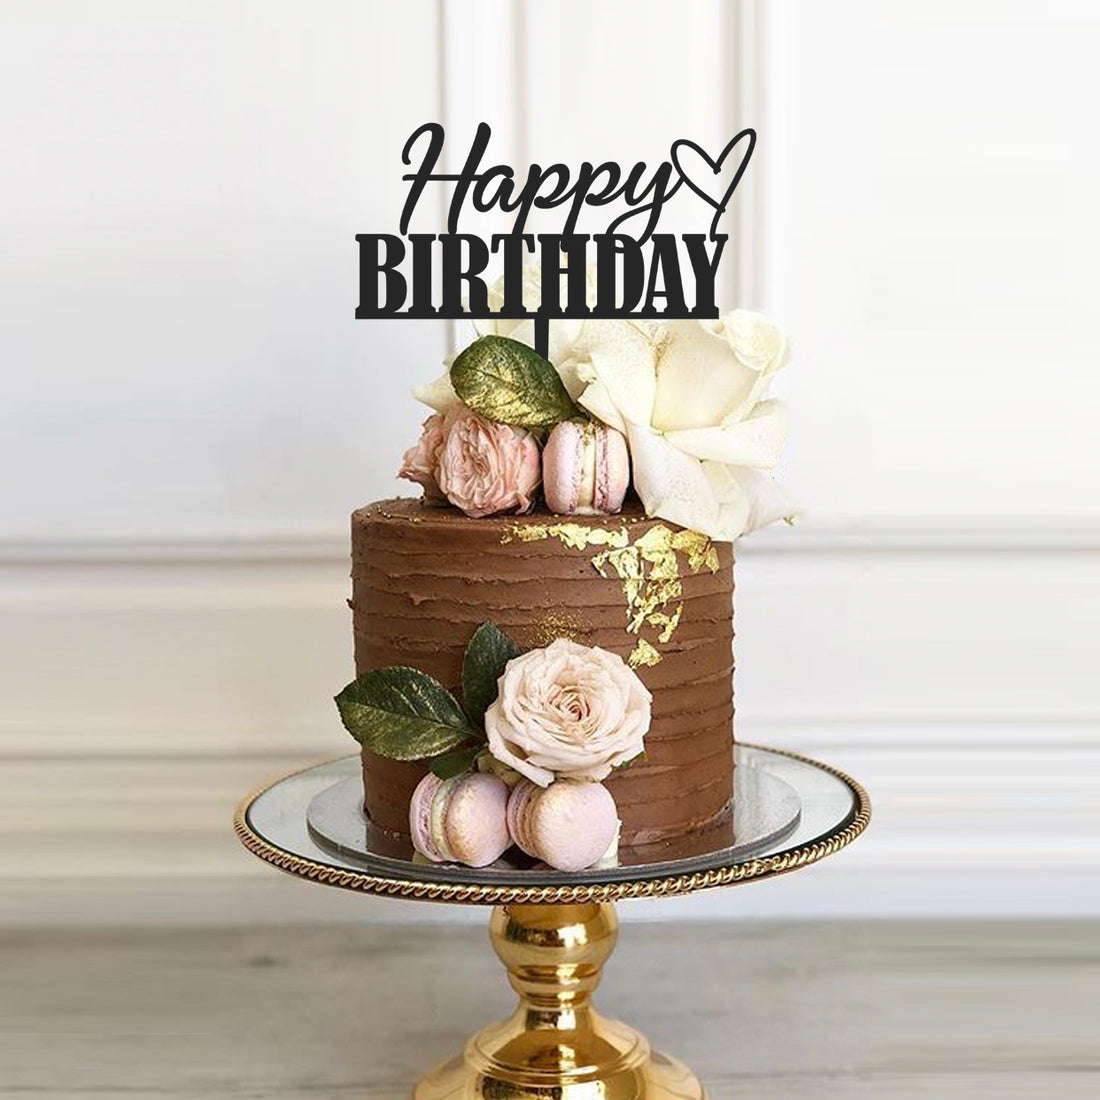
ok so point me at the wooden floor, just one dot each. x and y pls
(886, 1009)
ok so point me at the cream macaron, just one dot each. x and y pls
(568, 825)
(585, 469)
(460, 820)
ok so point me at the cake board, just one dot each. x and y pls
(554, 931)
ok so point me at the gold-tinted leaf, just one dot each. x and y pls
(509, 383)
(403, 713)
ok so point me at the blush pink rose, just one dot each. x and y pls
(485, 468)
(567, 712)
(420, 460)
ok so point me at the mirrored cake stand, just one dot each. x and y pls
(554, 931)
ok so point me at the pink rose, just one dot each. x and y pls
(484, 468)
(567, 711)
(420, 460)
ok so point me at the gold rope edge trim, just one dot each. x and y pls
(581, 893)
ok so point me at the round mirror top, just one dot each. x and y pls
(788, 811)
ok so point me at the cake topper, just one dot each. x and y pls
(397, 271)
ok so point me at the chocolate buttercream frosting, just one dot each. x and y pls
(424, 578)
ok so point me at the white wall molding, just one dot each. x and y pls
(828, 535)
(836, 642)
(481, 80)
(144, 690)
(148, 839)
(743, 38)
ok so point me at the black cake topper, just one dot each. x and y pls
(397, 271)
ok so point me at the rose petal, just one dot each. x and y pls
(699, 379)
(758, 344)
(597, 400)
(620, 356)
(755, 340)
(766, 499)
(439, 395)
(562, 335)
(672, 484)
(755, 441)
(568, 368)
(495, 326)
(522, 330)
(770, 500)
(500, 749)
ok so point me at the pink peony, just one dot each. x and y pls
(419, 463)
(568, 711)
(484, 468)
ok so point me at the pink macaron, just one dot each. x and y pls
(518, 816)
(585, 469)
(460, 820)
(568, 825)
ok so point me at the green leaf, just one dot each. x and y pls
(403, 714)
(490, 649)
(456, 762)
(509, 383)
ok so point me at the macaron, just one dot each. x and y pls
(463, 819)
(568, 825)
(585, 469)
(519, 818)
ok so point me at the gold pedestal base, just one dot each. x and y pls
(556, 1046)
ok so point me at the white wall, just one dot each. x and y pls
(183, 182)
(189, 411)
(931, 233)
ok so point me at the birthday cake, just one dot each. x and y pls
(544, 640)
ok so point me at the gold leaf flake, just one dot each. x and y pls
(649, 570)
(575, 536)
(668, 622)
(643, 654)
(701, 552)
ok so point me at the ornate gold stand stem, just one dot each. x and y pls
(556, 1046)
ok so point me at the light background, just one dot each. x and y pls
(188, 411)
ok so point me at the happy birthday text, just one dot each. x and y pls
(637, 275)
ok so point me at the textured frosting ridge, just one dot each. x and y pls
(423, 578)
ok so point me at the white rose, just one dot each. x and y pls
(692, 402)
(567, 711)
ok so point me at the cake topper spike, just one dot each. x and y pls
(542, 336)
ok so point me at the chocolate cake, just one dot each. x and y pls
(661, 597)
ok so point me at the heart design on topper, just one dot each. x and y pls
(715, 165)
